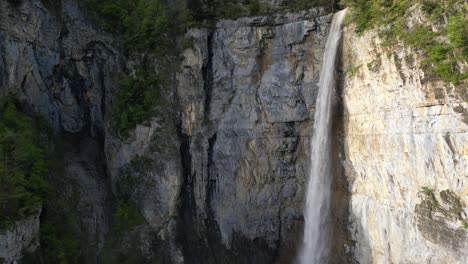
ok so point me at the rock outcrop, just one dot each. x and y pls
(57, 64)
(21, 238)
(406, 156)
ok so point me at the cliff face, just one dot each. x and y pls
(217, 175)
(59, 67)
(406, 158)
(247, 92)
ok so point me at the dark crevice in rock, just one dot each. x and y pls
(208, 76)
(193, 229)
(187, 232)
(212, 179)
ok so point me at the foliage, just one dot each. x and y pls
(23, 163)
(457, 32)
(126, 217)
(306, 4)
(445, 44)
(147, 30)
(59, 234)
(353, 70)
(60, 230)
(136, 100)
(428, 191)
(28, 158)
(207, 11)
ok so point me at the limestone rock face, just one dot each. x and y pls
(22, 237)
(405, 157)
(246, 93)
(54, 62)
(58, 66)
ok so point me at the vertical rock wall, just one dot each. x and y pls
(247, 92)
(406, 156)
(58, 66)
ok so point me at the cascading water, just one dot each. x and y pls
(317, 211)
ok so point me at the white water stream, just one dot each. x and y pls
(317, 210)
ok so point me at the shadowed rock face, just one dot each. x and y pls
(58, 66)
(246, 93)
(21, 238)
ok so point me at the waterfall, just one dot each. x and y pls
(317, 210)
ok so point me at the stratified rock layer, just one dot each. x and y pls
(406, 157)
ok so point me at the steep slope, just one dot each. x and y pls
(59, 67)
(406, 159)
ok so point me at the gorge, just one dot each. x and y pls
(163, 143)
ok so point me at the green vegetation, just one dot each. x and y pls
(430, 194)
(210, 10)
(353, 70)
(306, 4)
(445, 44)
(23, 163)
(451, 206)
(136, 100)
(147, 31)
(457, 32)
(28, 158)
(428, 191)
(59, 232)
(126, 217)
(126, 213)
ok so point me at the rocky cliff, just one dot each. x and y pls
(218, 173)
(57, 65)
(247, 92)
(405, 139)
